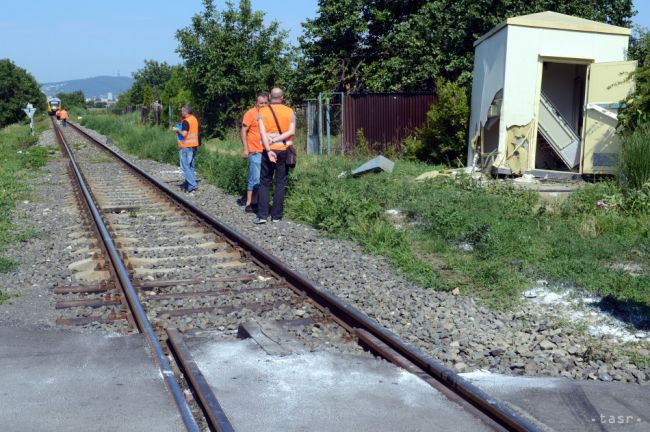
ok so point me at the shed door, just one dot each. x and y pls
(607, 86)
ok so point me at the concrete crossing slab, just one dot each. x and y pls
(320, 391)
(565, 405)
(55, 380)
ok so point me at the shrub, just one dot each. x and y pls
(636, 110)
(443, 137)
(229, 172)
(634, 163)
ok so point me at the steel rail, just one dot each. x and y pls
(136, 307)
(213, 410)
(487, 404)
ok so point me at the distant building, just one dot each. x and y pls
(110, 96)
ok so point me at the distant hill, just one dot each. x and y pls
(91, 87)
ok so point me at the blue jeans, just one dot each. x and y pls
(64, 122)
(187, 156)
(254, 167)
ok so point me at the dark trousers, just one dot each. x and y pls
(280, 169)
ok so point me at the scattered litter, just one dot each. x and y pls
(344, 174)
(398, 218)
(377, 164)
(465, 246)
(526, 178)
(452, 173)
(430, 175)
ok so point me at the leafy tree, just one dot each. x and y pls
(404, 45)
(442, 138)
(636, 111)
(333, 48)
(72, 99)
(153, 76)
(231, 55)
(17, 88)
(640, 47)
(175, 93)
(147, 96)
(125, 99)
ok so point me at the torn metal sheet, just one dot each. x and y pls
(377, 164)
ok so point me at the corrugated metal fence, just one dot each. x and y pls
(386, 119)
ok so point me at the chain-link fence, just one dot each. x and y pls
(324, 118)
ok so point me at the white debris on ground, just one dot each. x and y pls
(488, 380)
(526, 178)
(397, 217)
(582, 309)
(465, 246)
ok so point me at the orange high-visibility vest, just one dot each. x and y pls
(285, 116)
(192, 137)
(63, 115)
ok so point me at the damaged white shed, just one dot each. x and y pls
(545, 94)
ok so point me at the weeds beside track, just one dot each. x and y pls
(515, 236)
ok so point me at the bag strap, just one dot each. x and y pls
(277, 124)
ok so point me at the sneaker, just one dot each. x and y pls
(276, 220)
(259, 221)
(190, 191)
(249, 209)
(241, 201)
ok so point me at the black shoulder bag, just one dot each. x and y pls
(291, 149)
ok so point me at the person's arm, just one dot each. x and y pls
(244, 139)
(289, 133)
(266, 142)
(185, 129)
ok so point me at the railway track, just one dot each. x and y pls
(154, 263)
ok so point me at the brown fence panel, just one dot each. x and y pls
(386, 118)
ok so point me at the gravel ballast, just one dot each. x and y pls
(50, 213)
(455, 329)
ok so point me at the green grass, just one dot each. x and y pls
(219, 161)
(18, 158)
(516, 237)
(634, 165)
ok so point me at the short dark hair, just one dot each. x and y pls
(188, 108)
(264, 95)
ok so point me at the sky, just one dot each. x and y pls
(58, 41)
(80, 39)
